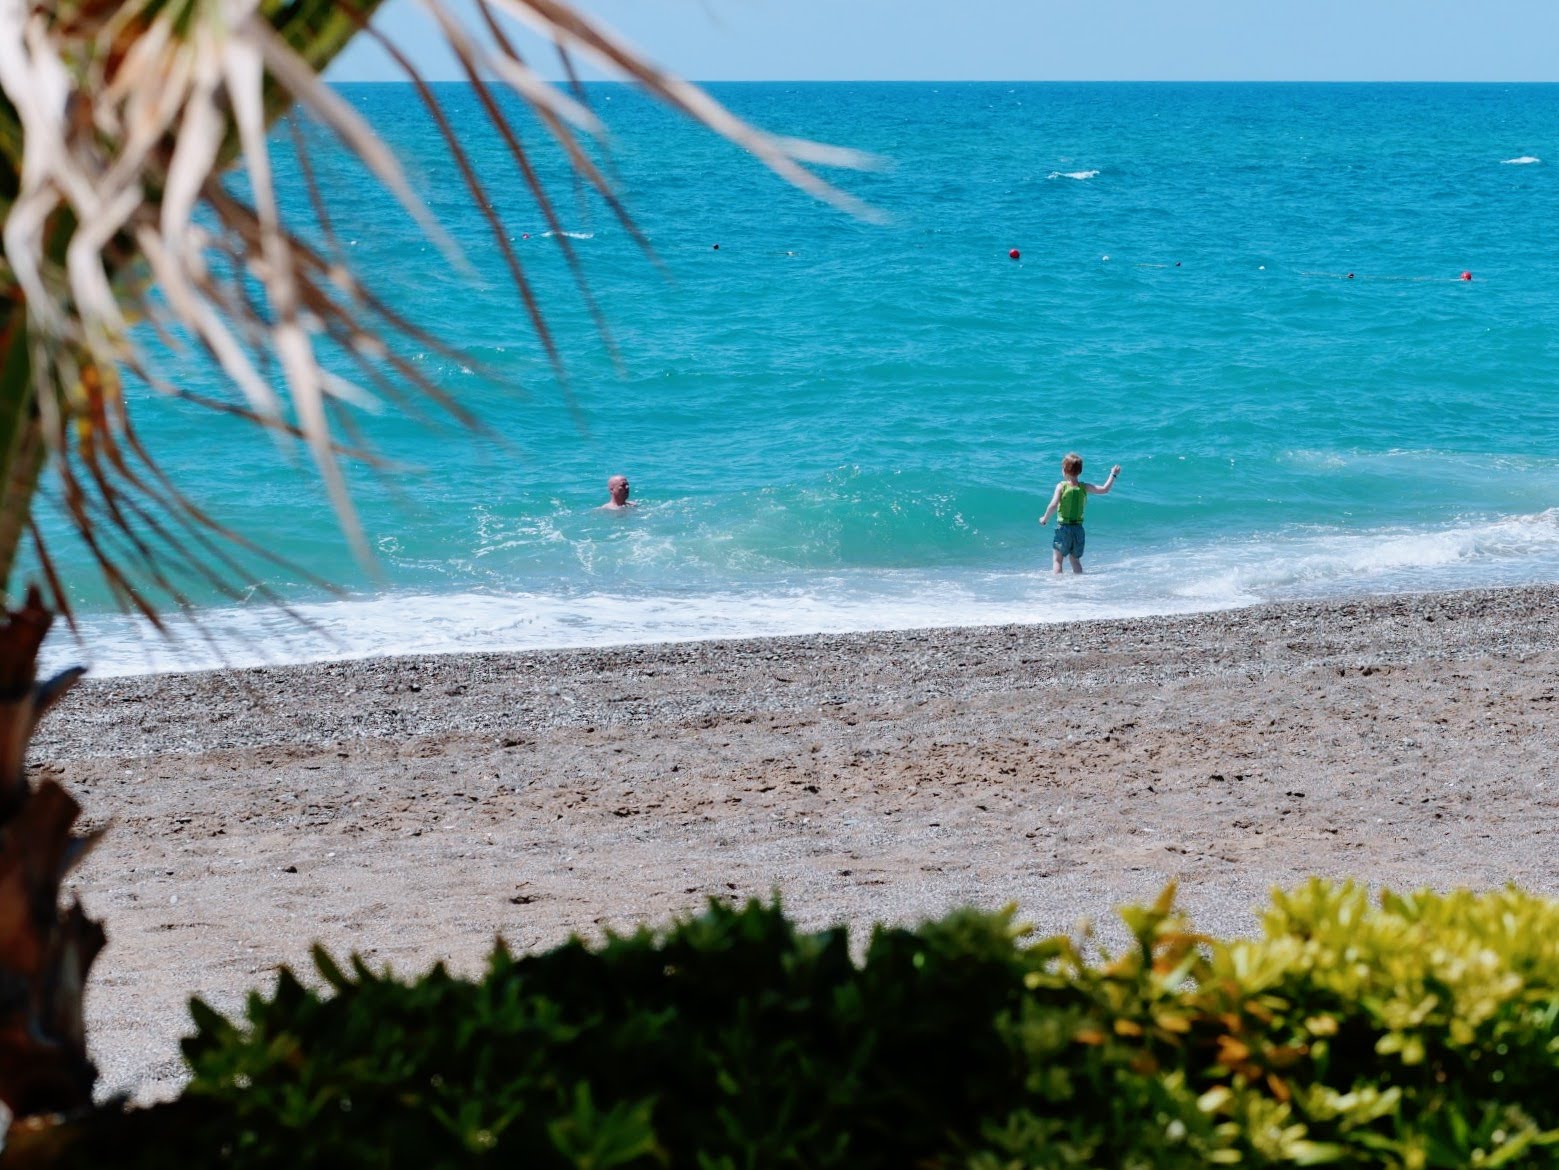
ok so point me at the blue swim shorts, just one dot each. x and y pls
(1068, 540)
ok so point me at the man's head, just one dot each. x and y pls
(617, 488)
(1072, 464)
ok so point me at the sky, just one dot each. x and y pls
(1045, 40)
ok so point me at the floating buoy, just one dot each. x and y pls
(1014, 254)
(1103, 257)
(1350, 276)
(1177, 264)
(717, 247)
(1466, 276)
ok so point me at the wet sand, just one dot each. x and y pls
(412, 808)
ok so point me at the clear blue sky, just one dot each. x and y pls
(1062, 40)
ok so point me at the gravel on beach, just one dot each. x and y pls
(411, 809)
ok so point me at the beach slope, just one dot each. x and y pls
(413, 808)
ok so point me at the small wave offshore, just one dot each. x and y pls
(1079, 175)
(1525, 160)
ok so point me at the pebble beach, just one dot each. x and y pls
(412, 809)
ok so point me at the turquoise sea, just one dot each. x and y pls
(832, 424)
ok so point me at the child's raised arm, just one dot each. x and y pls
(1097, 489)
(1055, 502)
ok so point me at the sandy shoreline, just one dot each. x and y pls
(411, 808)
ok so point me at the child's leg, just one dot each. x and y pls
(1077, 564)
(1056, 556)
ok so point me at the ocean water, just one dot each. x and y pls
(834, 424)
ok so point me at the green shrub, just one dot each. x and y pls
(1417, 1033)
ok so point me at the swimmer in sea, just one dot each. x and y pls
(617, 489)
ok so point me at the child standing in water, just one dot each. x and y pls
(1067, 503)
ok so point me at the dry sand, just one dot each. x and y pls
(412, 808)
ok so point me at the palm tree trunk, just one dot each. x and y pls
(45, 952)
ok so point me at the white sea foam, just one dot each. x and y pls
(1525, 160)
(482, 623)
(1196, 576)
(1319, 562)
(570, 235)
(1072, 174)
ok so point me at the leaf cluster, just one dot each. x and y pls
(142, 219)
(1416, 1032)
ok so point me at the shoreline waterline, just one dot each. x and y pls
(1520, 612)
(272, 628)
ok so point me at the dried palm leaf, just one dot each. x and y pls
(117, 125)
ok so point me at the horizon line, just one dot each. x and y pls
(996, 81)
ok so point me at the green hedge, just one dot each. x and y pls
(1421, 1031)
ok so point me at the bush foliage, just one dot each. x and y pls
(1416, 1032)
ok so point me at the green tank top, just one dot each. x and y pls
(1070, 509)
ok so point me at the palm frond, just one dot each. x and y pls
(118, 124)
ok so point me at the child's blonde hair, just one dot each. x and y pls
(1072, 464)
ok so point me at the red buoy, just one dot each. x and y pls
(1466, 276)
(1014, 254)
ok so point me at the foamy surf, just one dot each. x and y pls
(489, 623)
(1193, 577)
(570, 235)
(1072, 174)
(1525, 160)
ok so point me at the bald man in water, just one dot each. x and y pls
(617, 488)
